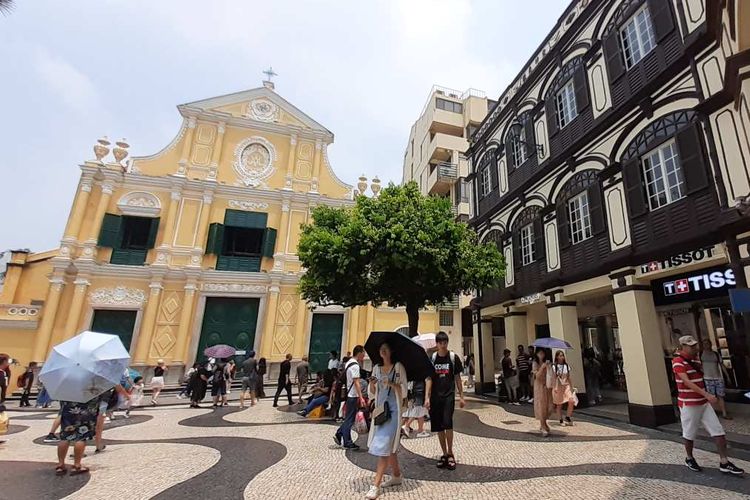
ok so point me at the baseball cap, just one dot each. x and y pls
(688, 340)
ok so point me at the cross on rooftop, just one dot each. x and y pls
(270, 73)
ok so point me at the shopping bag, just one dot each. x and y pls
(4, 422)
(575, 397)
(360, 423)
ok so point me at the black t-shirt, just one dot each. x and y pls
(158, 371)
(444, 378)
(219, 374)
(286, 367)
(507, 365)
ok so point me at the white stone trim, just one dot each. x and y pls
(140, 204)
(119, 296)
(248, 205)
(254, 177)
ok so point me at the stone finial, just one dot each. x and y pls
(101, 149)
(121, 151)
(362, 184)
(375, 186)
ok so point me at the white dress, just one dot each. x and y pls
(384, 440)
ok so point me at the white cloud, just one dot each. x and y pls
(72, 86)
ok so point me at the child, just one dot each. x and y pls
(136, 395)
(415, 410)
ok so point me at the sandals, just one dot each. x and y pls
(450, 463)
(99, 450)
(60, 470)
(443, 462)
(79, 470)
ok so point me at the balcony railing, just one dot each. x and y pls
(19, 315)
(447, 171)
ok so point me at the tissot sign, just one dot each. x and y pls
(696, 285)
(681, 259)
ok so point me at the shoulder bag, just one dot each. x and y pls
(382, 413)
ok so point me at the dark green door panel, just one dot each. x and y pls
(115, 322)
(325, 336)
(230, 321)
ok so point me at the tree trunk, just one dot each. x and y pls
(412, 312)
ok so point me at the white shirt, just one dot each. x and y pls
(352, 372)
(333, 364)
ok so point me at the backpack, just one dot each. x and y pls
(218, 377)
(342, 387)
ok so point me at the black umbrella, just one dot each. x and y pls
(412, 355)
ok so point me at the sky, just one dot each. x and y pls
(71, 72)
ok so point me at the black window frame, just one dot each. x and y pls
(448, 105)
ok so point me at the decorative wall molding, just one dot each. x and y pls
(140, 203)
(247, 205)
(253, 160)
(233, 287)
(120, 296)
(262, 110)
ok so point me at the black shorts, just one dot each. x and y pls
(441, 413)
(219, 389)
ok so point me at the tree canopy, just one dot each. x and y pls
(401, 248)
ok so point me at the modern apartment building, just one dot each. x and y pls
(435, 158)
(613, 175)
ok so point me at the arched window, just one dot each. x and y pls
(567, 97)
(528, 240)
(664, 163)
(494, 236)
(633, 32)
(579, 209)
(519, 142)
(487, 173)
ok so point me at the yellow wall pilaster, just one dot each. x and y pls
(316, 165)
(290, 162)
(149, 322)
(186, 145)
(270, 322)
(169, 224)
(370, 319)
(283, 228)
(216, 153)
(356, 335)
(75, 220)
(76, 307)
(51, 304)
(183, 332)
(208, 199)
(101, 209)
(300, 333)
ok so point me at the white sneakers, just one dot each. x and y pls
(393, 481)
(373, 493)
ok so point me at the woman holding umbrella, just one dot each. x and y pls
(387, 388)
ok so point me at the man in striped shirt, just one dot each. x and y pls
(695, 409)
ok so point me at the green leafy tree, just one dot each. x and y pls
(401, 248)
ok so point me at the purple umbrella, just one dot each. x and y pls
(552, 343)
(220, 351)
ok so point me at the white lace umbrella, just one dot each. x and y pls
(426, 340)
(84, 367)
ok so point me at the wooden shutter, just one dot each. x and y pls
(661, 18)
(540, 252)
(551, 112)
(563, 225)
(110, 234)
(492, 165)
(631, 174)
(596, 211)
(152, 231)
(613, 55)
(509, 148)
(581, 88)
(528, 126)
(215, 239)
(269, 242)
(249, 220)
(517, 248)
(691, 159)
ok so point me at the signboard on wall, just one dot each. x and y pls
(682, 259)
(695, 285)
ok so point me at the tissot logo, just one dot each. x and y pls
(703, 284)
(678, 260)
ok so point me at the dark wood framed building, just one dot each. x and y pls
(609, 174)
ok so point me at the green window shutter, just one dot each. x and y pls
(109, 235)
(269, 242)
(152, 233)
(249, 220)
(215, 238)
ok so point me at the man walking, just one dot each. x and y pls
(523, 363)
(510, 377)
(695, 409)
(441, 397)
(303, 373)
(354, 399)
(284, 381)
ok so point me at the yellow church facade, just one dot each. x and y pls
(194, 245)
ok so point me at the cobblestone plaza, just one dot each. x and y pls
(270, 453)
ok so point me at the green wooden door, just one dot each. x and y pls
(115, 322)
(229, 321)
(325, 337)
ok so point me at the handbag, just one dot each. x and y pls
(382, 413)
(550, 382)
(360, 423)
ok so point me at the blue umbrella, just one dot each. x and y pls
(84, 367)
(552, 343)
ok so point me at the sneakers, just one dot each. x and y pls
(51, 438)
(568, 421)
(302, 413)
(693, 465)
(530, 400)
(516, 403)
(524, 399)
(337, 439)
(373, 493)
(393, 481)
(352, 446)
(562, 423)
(180, 396)
(424, 434)
(730, 468)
